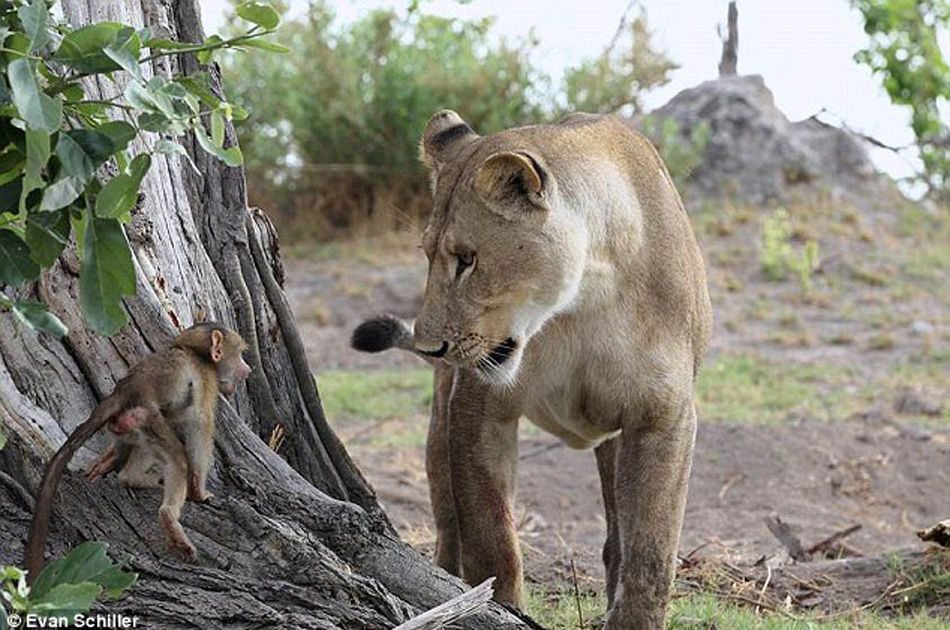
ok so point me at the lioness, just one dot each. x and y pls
(564, 285)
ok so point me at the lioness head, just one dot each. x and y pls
(505, 254)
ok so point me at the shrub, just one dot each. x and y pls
(778, 257)
(680, 152)
(338, 120)
(616, 80)
(333, 143)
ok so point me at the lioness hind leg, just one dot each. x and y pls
(653, 462)
(483, 455)
(607, 467)
(448, 544)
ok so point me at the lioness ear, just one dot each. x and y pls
(445, 133)
(513, 182)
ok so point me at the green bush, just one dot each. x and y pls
(616, 80)
(334, 140)
(778, 257)
(681, 154)
(350, 103)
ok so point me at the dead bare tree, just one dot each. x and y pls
(730, 44)
(294, 539)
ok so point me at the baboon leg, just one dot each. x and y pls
(175, 485)
(653, 462)
(104, 464)
(140, 469)
(483, 455)
(447, 545)
(607, 467)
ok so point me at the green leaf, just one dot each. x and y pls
(66, 600)
(263, 44)
(36, 315)
(106, 276)
(86, 562)
(16, 266)
(198, 85)
(125, 53)
(149, 98)
(47, 234)
(34, 17)
(79, 221)
(154, 122)
(230, 156)
(37, 155)
(81, 151)
(206, 56)
(74, 93)
(259, 13)
(119, 195)
(12, 165)
(217, 129)
(119, 132)
(83, 49)
(238, 113)
(170, 147)
(61, 193)
(39, 110)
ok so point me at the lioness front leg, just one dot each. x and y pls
(483, 454)
(653, 462)
(438, 471)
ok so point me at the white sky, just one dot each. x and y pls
(803, 49)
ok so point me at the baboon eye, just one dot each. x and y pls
(465, 260)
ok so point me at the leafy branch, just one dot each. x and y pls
(67, 586)
(56, 145)
(904, 51)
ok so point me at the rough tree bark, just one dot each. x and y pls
(730, 44)
(292, 540)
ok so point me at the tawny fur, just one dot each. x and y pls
(161, 415)
(585, 264)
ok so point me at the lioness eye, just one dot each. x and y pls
(465, 260)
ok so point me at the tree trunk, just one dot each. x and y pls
(292, 540)
(730, 44)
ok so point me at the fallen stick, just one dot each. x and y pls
(468, 603)
(827, 543)
(790, 541)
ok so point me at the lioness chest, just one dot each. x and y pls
(575, 384)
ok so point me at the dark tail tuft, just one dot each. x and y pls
(377, 334)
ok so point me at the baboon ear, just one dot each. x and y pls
(514, 183)
(217, 338)
(444, 135)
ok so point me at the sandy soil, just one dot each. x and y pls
(869, 467)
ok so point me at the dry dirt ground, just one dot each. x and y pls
(826, 405)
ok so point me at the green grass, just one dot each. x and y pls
(558, 611)
(734, 388)
(356, 400)
(707, 611)
(749, 389)
(375, 394)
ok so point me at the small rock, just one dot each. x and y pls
(922, 328)
(912, 402)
